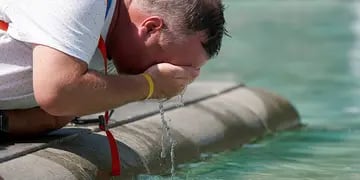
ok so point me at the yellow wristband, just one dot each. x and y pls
(151, 85)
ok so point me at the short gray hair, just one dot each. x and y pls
(184, 17)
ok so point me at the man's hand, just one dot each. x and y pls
(170, 80)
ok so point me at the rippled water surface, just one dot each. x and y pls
(308, 52)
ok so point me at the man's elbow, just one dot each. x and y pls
(51, 101)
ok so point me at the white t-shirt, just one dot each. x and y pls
(72, 27)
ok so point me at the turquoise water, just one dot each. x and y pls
(307, 52)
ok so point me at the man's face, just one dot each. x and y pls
(187, 53)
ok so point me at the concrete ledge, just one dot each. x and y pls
(227, 119)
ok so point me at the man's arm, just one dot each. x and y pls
(63, 85)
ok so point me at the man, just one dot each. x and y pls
(50, 67)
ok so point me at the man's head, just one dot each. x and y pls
(181, 32)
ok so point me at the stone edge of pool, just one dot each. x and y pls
(225, 120)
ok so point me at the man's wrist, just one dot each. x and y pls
(151, 85)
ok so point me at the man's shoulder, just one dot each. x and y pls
(72, 27)
(64, 5)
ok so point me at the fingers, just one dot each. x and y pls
(171, 80)
(187, 72)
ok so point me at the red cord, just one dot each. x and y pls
(115, 153)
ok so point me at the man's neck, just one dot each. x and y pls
(119, 20)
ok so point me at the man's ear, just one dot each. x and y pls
(150, 26)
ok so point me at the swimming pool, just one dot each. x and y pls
(308, 52)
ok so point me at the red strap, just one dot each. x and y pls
(102, 48)
(4, 26)
(115, 153)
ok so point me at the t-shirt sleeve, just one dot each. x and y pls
(72, 27)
